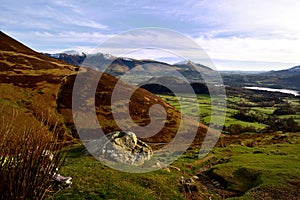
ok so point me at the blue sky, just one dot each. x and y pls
(236, 35)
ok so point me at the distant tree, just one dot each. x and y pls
(248, 115)
(285, 125)
(285, 109)
(291, 125)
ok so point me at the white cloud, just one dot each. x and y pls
(72, 36)
(252, 49)
(153, 54)
(67, 40)
(247, 17)
(68, 5)
(47, 15)
(249, 33)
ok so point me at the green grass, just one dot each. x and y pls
(93, 180)
(273, 166)
(264, 110)
(239, 101)
(248, 169)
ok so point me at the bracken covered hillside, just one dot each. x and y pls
(30, 82)
(39, 87)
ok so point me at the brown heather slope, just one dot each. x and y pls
(140, 102)
(37, 85)
(29, 83)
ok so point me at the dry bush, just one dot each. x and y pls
(26, 171)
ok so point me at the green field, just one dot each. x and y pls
(233, 105)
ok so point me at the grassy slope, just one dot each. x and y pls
(93, 180)
(267, 167)
(264, 166)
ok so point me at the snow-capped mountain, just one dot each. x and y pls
(70, 56)
(72, 52)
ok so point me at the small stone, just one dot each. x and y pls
(181, 180)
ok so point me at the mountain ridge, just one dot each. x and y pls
(180, 63)
(118, 66)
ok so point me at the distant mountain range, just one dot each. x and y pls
(281, 79)
(120, 65)
(138, 71)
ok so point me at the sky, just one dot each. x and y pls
(248, 35)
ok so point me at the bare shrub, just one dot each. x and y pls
(26, 171)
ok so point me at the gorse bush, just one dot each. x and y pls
(26, 169)
(236, 129)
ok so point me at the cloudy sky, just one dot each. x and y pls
(236, 35)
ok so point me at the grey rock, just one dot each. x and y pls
(121, 147)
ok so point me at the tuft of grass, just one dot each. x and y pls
(26, 169)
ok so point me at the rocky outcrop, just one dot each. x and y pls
(121, 147)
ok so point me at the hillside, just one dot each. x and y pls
(40, 87)
(140, 103)
(286, 72)
(30, 82)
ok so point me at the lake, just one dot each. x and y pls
(286, 91)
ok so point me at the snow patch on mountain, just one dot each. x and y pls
(72, 52)
(183, 62)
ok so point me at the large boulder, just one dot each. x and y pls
(122, 147)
